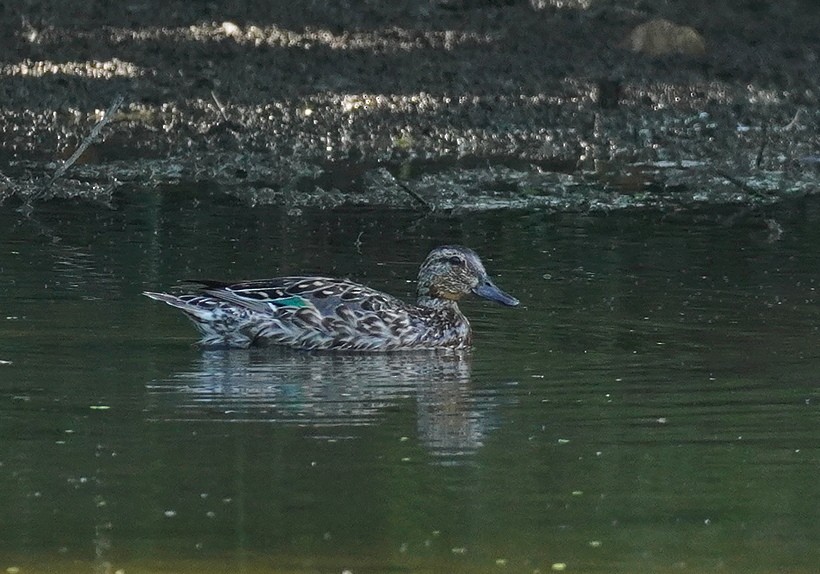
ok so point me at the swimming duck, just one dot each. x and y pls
(338, 314)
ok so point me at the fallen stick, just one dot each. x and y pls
(88, 140)
(219, 106)
(27, 207)
(419, 199)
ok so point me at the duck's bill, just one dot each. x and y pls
(488, 290)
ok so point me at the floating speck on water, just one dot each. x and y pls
(406, 459)
(501, 562)
(13, 569)
(661, 420)
(595, 543)
(563, 440)
(5, 362)
(170, 513)
(203, 495)
(559, 566)
(99, 407)
(459, 550)
(404, 439)
(577, 492)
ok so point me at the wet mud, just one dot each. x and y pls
(430, 105)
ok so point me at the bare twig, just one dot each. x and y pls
(739, 183)
(419, 199)
(219, 106)
(89, 139)
(764, 139)
(11, 187)
(27, 208)
(795, 120)
(7, 180)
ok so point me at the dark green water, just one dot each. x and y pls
(651, 407)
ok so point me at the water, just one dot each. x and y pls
(651, 406)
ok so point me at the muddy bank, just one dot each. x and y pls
(419, 104)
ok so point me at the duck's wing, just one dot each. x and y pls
(324, 295)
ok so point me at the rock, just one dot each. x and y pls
(661, 37)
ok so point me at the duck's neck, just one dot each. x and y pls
(424, 300)
(427, 297)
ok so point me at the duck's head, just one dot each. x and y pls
(452, 271)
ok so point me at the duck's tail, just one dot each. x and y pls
(220, 325)
(202, 315)
(172, 300)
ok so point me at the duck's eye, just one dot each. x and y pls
(456, 261)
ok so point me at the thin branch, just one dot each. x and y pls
(421, 201)
(89, 139)
(795, 120)
(764, 139)
(219, 106)
(28, 207)
(7, 180)
(740, 184)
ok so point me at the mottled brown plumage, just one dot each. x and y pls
(338, 314)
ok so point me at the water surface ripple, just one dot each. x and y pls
(650, 407)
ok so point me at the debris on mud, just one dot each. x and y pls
(415, 103)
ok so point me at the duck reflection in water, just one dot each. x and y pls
(327, 391)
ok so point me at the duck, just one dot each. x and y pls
(322, 313)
